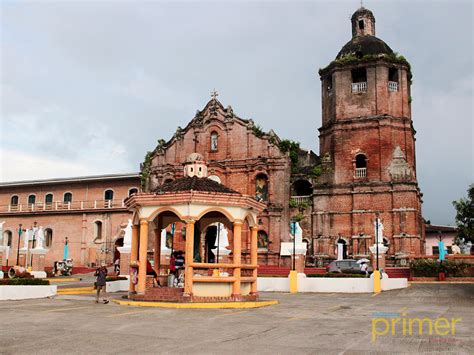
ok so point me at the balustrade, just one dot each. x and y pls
(61, 206)
(359, 87)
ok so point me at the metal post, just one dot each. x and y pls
(293, 232)
(218, 241)
(18, 246)
(172, 239)
(376, 239)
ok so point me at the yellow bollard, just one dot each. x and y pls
(293, 281)
(377, 281)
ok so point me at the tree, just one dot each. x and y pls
(465, 215)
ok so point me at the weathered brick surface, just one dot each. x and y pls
(75, 224)
(376, 123)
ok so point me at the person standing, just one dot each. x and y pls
(101, 274)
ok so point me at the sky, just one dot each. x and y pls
(88, 87)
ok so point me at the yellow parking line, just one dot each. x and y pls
(24, 305)
(65, 309)
(230, 314)
(296, 318)
(128, 313)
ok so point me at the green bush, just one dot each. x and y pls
(337, 275)
(24, 282)
(431, 268)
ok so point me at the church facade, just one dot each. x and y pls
(366, 168)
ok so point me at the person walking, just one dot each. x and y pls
(101, 274)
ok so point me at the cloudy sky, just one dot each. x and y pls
(88, 87)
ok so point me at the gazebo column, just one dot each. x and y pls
(143, 256)
(189, 258)
(157, 251)
(133, 254)
(237, 259)
(254, 258)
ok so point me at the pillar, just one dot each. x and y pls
(143, 256)
(189, 258)
(133, 254)
(237, 258)
(157, 253)
(254, 258)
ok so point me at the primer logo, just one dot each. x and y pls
(395, 323)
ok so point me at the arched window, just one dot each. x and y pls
(108, 195)
(67, 197)
(261, 187)
(48, 199)
(97, 230)
(170, 180)
(214, 139)
(7, 238)
(262, 240)
(14, 200)
(360, 166)
(31, 199)
(132, 191)
(302, 188)
(48, 237)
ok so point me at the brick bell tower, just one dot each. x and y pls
(367, 148)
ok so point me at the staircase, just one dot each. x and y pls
(398, 272)
(168, 294)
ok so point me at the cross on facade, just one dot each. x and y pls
(214, 94)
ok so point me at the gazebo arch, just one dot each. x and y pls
(194, 202)
(162, 209)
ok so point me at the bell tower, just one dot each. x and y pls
(367, 146)
(363, 23)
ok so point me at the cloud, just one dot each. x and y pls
(95, 84)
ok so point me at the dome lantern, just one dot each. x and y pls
(363, 23)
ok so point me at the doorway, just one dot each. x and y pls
(341, 249)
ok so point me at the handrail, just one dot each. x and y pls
(61, 206)
(219, 265)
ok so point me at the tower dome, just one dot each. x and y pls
(360, 46)
(363, 40)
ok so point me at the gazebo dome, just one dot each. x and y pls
(195, 183)
(194, 157)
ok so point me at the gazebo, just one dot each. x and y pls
(196, 202)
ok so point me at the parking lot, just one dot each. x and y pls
(301, 323)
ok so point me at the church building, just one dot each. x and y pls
(366, 169)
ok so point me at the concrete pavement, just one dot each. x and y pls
(301, 323)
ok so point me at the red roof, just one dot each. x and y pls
(194, 184)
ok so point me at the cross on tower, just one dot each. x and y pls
(214, 94)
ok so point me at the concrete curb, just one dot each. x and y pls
(69, 279)
(76, 291)
(217, 305)
(441, 282)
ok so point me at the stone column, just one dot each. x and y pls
(133, 253)
(254, 258)
(143, 256)
(189, 258)
(237, 250)
(157, 252)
